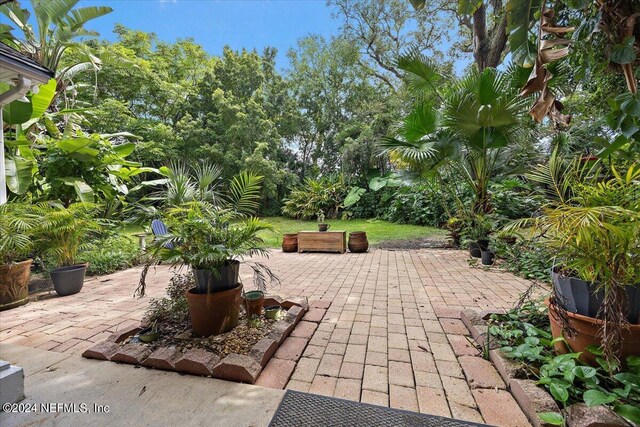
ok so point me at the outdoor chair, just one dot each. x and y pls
(159, 229)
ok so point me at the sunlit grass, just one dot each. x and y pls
(377, 230)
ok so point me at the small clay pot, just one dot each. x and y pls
(290, 242)
(273, 312)
(488, 257)
(254, 300)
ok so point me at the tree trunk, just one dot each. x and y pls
(488, 46)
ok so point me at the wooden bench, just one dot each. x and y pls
(322, 241)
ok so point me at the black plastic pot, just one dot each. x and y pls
(474, 250)
(225, 278)
(488, 257)
(579, 296)
(68, 280)
(484, 244)
(323, 227)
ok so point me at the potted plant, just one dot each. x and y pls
(212, 239)
(595, 235)
(322, 226)
(62, 235)
(16, 242)
(477, 234)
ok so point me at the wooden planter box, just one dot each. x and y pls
(322, 241)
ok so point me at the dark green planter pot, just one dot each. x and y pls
(68, 280)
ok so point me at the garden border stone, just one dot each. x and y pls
(234, 367)
(530, 398)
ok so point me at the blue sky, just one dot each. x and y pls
(214, 24)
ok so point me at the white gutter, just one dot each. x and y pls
(19, 91)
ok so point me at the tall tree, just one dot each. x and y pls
(484, 22)
(383, 29)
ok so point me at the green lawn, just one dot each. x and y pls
(377, 230)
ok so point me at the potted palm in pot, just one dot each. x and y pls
(594, 232)
(16, 242)
(477, 234)
(62, 234)
(212, 240)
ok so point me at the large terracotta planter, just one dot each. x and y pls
(214, 313)
(358, 242)
(587, 331)
(14, 284)
(290, 242)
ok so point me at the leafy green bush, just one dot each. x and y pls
(325, 194)
(111, 254)
(419, 205)
(524, 334)
(514, 199)
(526, 258)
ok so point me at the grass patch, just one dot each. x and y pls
(377, 230)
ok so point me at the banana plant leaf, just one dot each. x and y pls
(18, 112)
(83, 190)
(19, 173)
(78, 148)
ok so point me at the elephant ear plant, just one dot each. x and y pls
(212, 239)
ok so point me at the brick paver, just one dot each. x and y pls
(390, 335)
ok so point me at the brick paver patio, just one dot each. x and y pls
(391, 335)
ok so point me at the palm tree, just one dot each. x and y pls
(59, 27)
(468, 131)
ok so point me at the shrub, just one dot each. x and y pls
(325, 194)
(174, 307)
(526, 258)
(419, 205)
(111, 254)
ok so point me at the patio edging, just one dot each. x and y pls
(244, 368)
(531, 398)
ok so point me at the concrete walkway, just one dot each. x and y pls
(139, 397)
(391, 336)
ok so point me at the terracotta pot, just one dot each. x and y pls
(358, 242)
(587, 331)
(290, 242)
(254, 300)
(14, 284)
(214, 313)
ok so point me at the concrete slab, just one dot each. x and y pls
(134, 396)
(30, 359)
